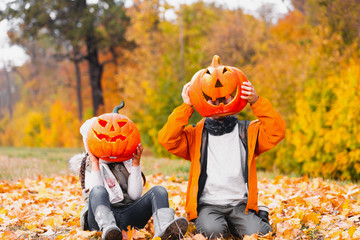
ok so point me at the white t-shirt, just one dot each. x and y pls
(225, 183)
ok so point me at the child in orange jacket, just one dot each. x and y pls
(222, 188)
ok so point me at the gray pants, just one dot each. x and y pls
(136, 214)
(218, 221)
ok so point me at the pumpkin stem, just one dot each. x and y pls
(215, 61)
(117, 108)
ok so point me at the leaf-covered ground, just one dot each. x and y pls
(300, 208)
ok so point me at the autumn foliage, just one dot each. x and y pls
(306, 64)
(300, 208)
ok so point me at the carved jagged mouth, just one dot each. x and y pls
(107, 138)
(225, 100)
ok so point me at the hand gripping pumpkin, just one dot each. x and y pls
(216, 90)
(113, 137)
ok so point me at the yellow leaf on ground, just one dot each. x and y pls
(312, 217)
(53, 221)
(352, 231)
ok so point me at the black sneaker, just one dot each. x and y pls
(264, 213)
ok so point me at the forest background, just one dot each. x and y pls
(85, 58)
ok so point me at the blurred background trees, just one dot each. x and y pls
(87, 57)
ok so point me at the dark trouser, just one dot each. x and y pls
(218, 221)
(136, 214)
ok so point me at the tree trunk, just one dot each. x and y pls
(95, 72)
(78, 89)
(95, 68)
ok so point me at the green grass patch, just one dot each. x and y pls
(55, 154)
(168, 167)
(18, 163)
(23, 162)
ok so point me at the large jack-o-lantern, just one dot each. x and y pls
(216, 90)
(113, 137)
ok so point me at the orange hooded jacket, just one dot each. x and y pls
(185, 142)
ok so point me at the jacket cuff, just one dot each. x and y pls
(186, 108)
(258, 103)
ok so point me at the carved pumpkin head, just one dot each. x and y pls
(113, 137)
(216, 90)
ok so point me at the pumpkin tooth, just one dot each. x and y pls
(114, 139)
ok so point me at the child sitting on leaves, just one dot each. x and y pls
(113, 196)
(222, 188)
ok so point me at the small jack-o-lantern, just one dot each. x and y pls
(113, 137)
(216, 90)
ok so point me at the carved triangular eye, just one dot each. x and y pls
(121, 123)
(207, 71)
(225, 70)
(218, 84)
(102, 122)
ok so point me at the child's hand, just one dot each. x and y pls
(185, 94)
(248, 92)
(94, 162)
(137, 155)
